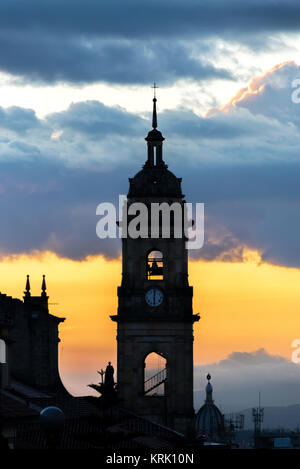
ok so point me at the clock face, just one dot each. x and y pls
(154, 297)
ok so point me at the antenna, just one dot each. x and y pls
(257, 417)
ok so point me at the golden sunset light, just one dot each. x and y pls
(243, 306)
(149, 229)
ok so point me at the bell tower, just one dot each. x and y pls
(155, 313)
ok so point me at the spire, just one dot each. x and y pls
(27, 287)
(209, 420)
(209, 390)
(44, 287)
(154, 114)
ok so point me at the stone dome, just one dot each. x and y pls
(155, 181)
(209, 419)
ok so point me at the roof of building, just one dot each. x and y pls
(86, 424)
(155, 181)
(13, 409)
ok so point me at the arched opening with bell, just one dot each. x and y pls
(155, 266)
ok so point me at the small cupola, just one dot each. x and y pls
(154, 139)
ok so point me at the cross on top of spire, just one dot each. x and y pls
(154, 88)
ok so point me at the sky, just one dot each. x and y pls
(75, 106)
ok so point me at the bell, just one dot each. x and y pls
(155, 270)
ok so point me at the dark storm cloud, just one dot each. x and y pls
(224, 249)
(46, 206)
(255, 207)
(95, 120)
(18, 119)
(160, 18)
(133, 41)
(36, 56)
(190, 125)
(243, 164)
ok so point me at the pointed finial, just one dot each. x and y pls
(208, 389)
(44, 286)
(154, 115)
(27, 287)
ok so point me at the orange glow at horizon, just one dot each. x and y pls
(243, 307)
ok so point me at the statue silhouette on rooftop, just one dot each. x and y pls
(109, 378)
(106, 388)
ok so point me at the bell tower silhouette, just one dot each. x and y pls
(155, 304)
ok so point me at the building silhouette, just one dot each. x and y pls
(209, 419)
(30, 387)
(29, 339)
(154, 317)
(155, 312)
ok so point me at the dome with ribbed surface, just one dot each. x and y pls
(155, 181)
(209, 419)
